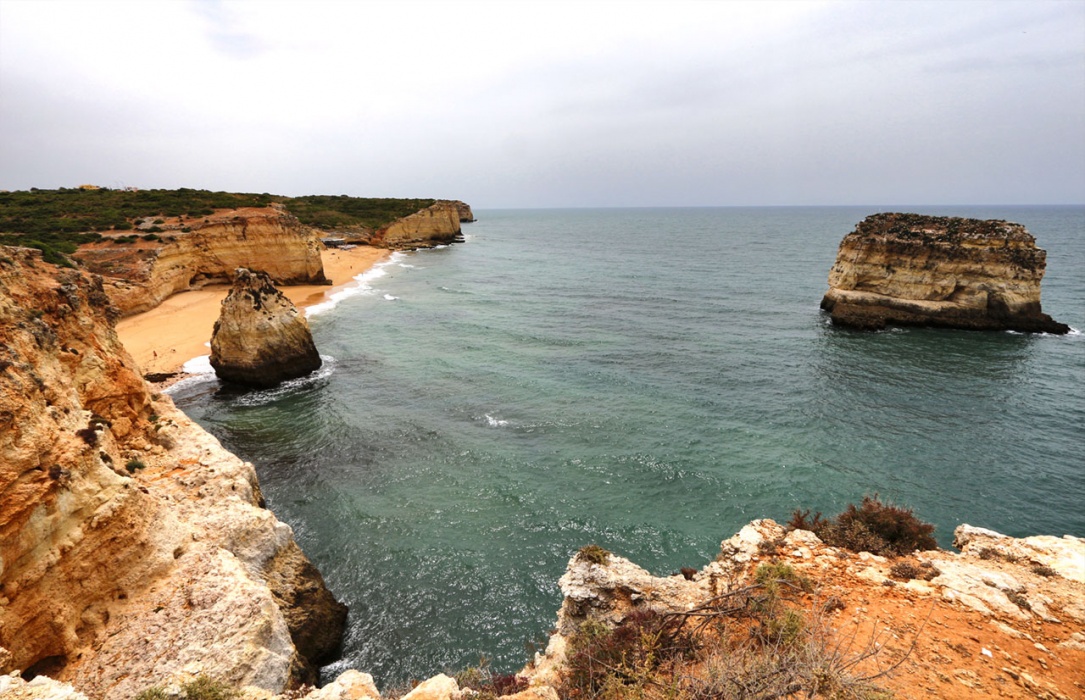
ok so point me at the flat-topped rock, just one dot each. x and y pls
(910, 269)
(260, 338)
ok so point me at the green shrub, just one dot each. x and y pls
(593, 554)
(907, 571)
(604, 662)
(153, 693)
(488, 684)
(204, 688)
(873, 526)
(134, 464)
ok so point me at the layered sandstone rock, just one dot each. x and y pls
(132, 545)
(438, 224)
(260, 338)
(142, 274)
(464, 209)
(908, 269)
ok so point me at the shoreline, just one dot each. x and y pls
(179, 329)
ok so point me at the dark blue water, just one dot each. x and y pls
(649, 380)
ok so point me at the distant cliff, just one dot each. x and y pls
(438, 224)
(131, 543)
(144, 273)
(908, 269)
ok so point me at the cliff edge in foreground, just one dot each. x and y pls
(132, 545)
(909, 269)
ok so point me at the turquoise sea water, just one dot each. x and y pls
(648, 380)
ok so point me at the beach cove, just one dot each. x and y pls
(179, 329)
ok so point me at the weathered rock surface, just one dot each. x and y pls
(132, 545)
(260, 338)
(13, 687)
(435, 225)
(142, 274)
(1005, 617)
(466, 215)
(908, 269)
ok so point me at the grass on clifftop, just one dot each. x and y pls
(329, 212)
(58, 221)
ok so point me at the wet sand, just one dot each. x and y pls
(179, 329)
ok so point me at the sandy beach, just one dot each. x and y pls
(179, 329)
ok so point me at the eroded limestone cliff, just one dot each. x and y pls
(141, 274)
(132, 545)
(908, 269)
(435, 225)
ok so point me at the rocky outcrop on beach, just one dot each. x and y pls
(909, 269)
(260, 339)
(141, 273)
(133, 547)
(435, 225)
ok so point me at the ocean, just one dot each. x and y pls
(648, 380)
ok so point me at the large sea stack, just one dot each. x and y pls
(914, 270)
(260, 339)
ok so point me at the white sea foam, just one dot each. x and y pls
(199, 365)
(389, 297)
(362, 285)
(200, 372)
(495, 422)
(265, 396)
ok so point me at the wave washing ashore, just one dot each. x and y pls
(175, 336)
(647, 380)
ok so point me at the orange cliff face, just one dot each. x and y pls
(141, 274)
(131, 542)
(438, 224)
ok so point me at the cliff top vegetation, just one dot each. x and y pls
(938, 228)
(58, 221)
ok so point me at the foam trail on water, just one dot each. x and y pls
(198, 365)
(363, 285)
(200, 371)
(261, 397)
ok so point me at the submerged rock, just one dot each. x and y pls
(909, 269)
(260, 339)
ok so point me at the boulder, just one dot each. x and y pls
(260, 339)
(910, 269)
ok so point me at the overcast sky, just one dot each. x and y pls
(523, 104)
